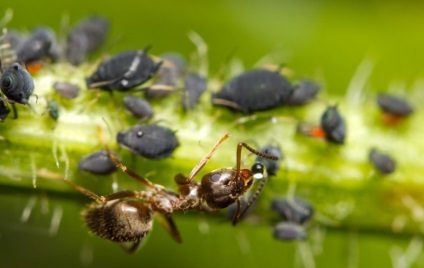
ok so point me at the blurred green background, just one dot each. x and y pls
(324, 39)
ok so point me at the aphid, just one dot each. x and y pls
(85, 38)
(333, 125)
(138, 107)
(149, 141)
(289, 231)
(53, 108)
(41, 43)
(394, 108)
(194, 86)
(294, 209)
(303, 92)
(67, 90)
(383, 162)
(168, 75)
(272, 166)
(124, 71)
(127, 216)
(255, 90)
(16, 84)
(98, 163)
(4, 111)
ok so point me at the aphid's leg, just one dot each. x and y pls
(15, 112)
(132, 248)
(203, 162)
(227, 103)
(123, 167)
(171, 227)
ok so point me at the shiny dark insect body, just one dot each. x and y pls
(98, 163)
(255, 90)
(289, 231)
(303, 92)
(138, 107)
(67, 90)
(53, 109)
(167, 82)
(293, 209)
(194, 86)
(85, 38)
(127, 216)
(382, 162)
(16, 84)
(333, 125)
(42, 43)
(272, 166)
(124, 71)
(394, 109)
(150, 141)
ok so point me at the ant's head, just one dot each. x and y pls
(222, 187)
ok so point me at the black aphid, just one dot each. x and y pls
(272, 166)
(383, 162)
(194, 86)
(303, 92)
(138, 107)
(4, 110)
(168, 75)
(293, 209)
(85, 38)
(289, 231)
(16, 84)
(124, 71)
(149, 141)
(333, 125)
(394, 105)
(13, 38)
(42, 43)
(98, 163)
(53, 108)
(67, 90)
(255, 90)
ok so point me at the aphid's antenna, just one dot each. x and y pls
(202, 52)
(8, 15)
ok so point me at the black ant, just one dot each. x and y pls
(126, 216)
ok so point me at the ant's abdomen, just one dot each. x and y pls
(119, 221)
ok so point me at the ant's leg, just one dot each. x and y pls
(171, 227)
(131, 249)
(50, 175)
(203, 162)
(15, 112)
(251, 201)
(261, 185)
(237, 213)
(121, 166)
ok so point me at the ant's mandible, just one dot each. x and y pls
(127, 216)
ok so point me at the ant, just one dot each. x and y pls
(126, 216)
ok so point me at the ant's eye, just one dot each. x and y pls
(8, 82)
(258, 170)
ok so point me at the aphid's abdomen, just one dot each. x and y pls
(119, 221)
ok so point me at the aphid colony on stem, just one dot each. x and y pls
(126, 216)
